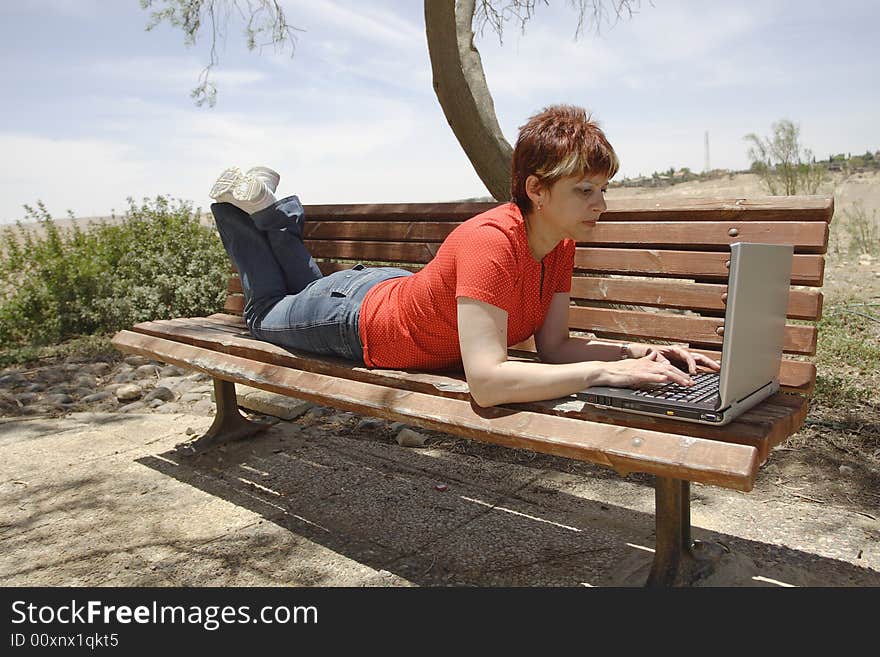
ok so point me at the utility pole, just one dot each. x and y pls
(706, 165)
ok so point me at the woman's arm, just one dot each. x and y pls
(555, 345)
(493, 380)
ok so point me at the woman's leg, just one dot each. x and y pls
(282, 224)
(262, 278)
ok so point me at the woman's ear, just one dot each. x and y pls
(535, 191)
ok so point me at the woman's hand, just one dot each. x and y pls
(669, 352)
(641, 372)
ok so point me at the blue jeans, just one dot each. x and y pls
(288, 301)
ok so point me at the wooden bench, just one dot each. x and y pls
(656, 272)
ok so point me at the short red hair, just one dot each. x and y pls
(560, 141)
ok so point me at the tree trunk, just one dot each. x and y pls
(460, 85)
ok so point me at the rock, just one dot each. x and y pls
(205, 406)
(318, 411)
(60, 388)
(146, 371)
(71, 367)
(128, 392)
(198, 376)
(370, 424)
(410, 438)
(846, 470)
(136, 361)
(36, 409)
(124, 377)
(98, 396)
(202, 389)
(162, 394)
(170, 407)
(270, 403)
(82, 392)
(180, 386)
(155, 403)
(171, 370)
(34, 387)
(343, 416)
(168, 381)
(85, 381)
(190, 397)
(27, 397)
(58, 398)
(12, 380)
(190, 431)
(98, 369)
(397, 426)
(134, 406)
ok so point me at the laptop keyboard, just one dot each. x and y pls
(705, 386)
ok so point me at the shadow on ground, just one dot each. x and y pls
(435, 518)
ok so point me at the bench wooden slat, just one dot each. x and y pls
(751, 428)
(767, 208)
(699, 265)
(806, 237)
(806, 269)
(672, 294)
(609, 322)
(621, 448)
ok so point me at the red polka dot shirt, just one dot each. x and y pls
(411, 322)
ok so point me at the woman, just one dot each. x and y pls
(496, 280)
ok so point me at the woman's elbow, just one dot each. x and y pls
(483, 391)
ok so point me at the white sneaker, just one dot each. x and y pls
(245, 191)
(270, 177)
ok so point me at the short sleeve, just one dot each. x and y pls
(485, 267)
(565, 267)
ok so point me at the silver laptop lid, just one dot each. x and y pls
(754, 322)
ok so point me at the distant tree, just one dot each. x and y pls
(459, 80)
(785, 167)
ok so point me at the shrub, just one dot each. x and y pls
(156, 262)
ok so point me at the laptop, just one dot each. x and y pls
(754, 324)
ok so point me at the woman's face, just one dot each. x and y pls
(572, 205)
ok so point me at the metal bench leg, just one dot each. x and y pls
(229, 424)
(678, 561)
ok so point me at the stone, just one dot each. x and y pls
(146, 371)
(180, 387)
(136, 361)
(82, 392)
(60, 388)
(124, 377)
(12, 380)
(370, 424)
(128, 392)
(27, 397)
(397, 426)
(171, 370)
(58, 398)
(169, 381)
(134, 406)
(34, 387)
(85, 381)
(160, 393)
(410, 438)
(169, 407)
(846, 470)
(155, 403)
(270, 403)
(98, 396)
(205, 406)
(202, 389)
(198, 376)
(98, 369)
(190, 397)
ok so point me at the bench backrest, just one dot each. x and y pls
(656, 269)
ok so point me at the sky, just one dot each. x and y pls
(96, 109)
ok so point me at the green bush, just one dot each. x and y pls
(157, 262)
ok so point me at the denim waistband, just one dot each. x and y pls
(366, 280)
